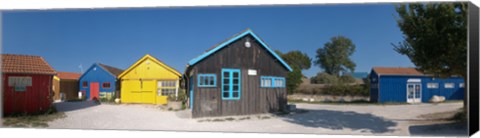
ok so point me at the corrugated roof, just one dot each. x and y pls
(396, 71)
(68, 75)
(113, 70)
(12, 63)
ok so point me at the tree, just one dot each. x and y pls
(334, 57)
(298, 61)
(435, 38)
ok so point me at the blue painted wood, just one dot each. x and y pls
(97, 74)
(191, 92)
(230, 79)
(200, 76)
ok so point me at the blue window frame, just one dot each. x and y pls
(231, 86)
(207, 80)
(272, 82)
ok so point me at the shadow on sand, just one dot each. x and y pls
(337, 120)
(71, 106)
(445, 129)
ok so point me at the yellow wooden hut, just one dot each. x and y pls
(148, 81)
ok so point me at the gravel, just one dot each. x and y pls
(314, 119)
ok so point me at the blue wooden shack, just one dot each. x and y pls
(100, 81)
(412, 86)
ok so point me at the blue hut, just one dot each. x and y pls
(412, 86)
(100, 81)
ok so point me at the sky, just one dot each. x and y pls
(119, 37)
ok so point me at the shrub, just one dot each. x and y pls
(347, 79)
(324, 78)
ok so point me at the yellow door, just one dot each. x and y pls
(136, 91)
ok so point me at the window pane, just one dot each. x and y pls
(235, 94)
(235, 74)
(226, 81)
(226, 87)
(226, 74)
(235, 81)
(235, 87)
(226, 94)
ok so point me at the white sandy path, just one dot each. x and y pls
(320, 119)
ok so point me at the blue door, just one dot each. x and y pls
(231, 86)
(191, 92)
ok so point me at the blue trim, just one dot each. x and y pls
(197, 59)
(230, 80)
(200, 76)
(272, 81)
(191, 92)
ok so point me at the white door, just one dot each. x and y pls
(414, 92)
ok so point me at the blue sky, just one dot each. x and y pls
(119, 37)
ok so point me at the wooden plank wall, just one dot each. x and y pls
(208, 101)
(70, 88)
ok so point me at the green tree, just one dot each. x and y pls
(334, 57)
(298, 61)
(435, 37)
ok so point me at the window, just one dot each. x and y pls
(432, 85)
(374, 86)
(272, 82)
(207, 80)
(461, 85)
(231, 86)
(166, 88)
(106, 85)
(84, 84)
(449, 85)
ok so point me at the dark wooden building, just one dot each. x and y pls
(69, 85)
(239, 76)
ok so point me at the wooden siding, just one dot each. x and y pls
(70, 89)
(35, 98)
(254, 99)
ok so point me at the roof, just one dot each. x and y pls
(233, 39)
(396, 71)
(27, 64)
(148, 56)
(114, 71)
(68, 75)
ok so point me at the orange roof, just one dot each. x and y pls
(68, 75)
(28, 64)
(396, 71)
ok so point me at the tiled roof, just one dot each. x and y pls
(28, 64)
(113, 70)
(68, 75)
(396, 71)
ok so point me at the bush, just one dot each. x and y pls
(341, 89)
(347, 79)
(324, 78)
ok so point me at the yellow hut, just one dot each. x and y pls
(148, 81)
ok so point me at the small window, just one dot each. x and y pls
(432, 85)
(207, 80)
(266, 82)
(272, 82)
(84, 84)
(461, 85)
(106, 85)
(166, 88)
(449, 85)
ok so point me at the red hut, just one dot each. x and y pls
(27, 84)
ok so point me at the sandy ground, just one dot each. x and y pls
(311, 118)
